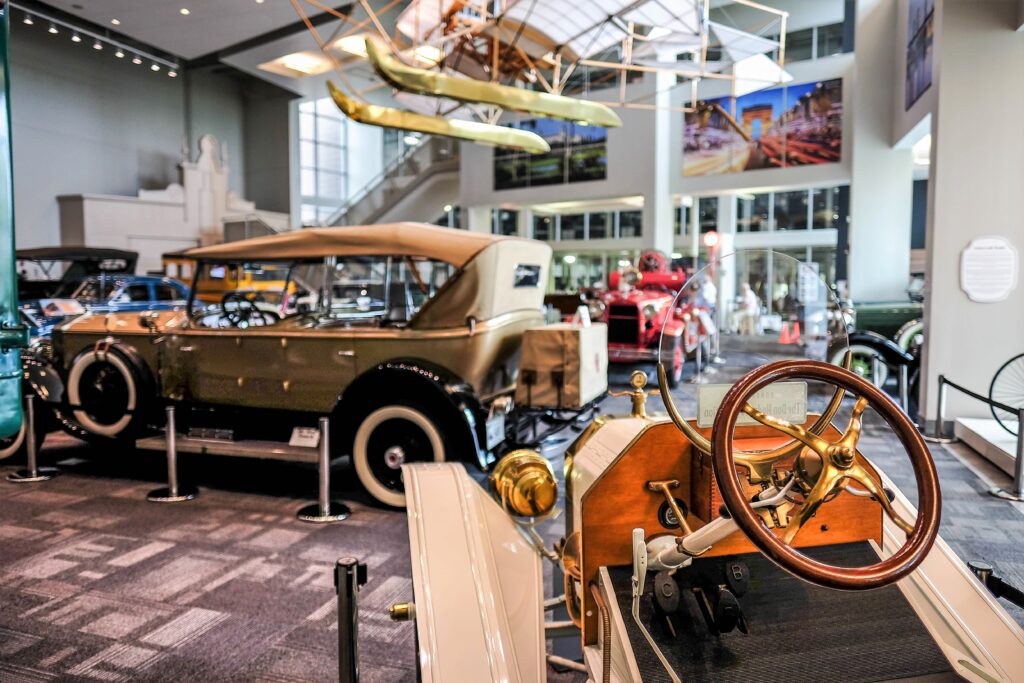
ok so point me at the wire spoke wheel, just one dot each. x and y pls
(1008, 388)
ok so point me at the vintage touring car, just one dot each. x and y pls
(409, 343)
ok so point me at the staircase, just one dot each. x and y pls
(433, 157)
(254, 225)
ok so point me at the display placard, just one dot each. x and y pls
(784, 400)
(306, 437)
(988, 269)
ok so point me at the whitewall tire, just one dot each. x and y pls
(84, 385)
(388, 438)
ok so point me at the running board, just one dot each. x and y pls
(270, 450)
(474, 131)
(436, 84)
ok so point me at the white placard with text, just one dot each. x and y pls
(988, 269)
(784, 400)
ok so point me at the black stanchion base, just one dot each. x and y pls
(163, 495)
(1006, 495)
(28, 476)
(336, 512)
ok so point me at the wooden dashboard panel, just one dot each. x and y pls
(619, 501)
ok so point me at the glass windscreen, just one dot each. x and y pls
(744, 310)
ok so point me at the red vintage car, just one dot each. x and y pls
(639, 304)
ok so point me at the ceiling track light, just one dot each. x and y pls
(27, 20)
(154, 67)
(75, 38)
(119, 54)
(172, 73)
(136, 60)
(52, 29)
(97, 45)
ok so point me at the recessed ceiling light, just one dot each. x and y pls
(28, 20)
(115, 22)
(154, 66)
(119, 54)
(184, 11)
(52, 29)
(97, 45)
(75, 38)
(259, 2)
(172, 73)
(136, 60)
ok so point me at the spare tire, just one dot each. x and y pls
(110, 390)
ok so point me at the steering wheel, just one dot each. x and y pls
(837, 464)
(244, 310)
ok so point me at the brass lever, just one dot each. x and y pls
(665, 488)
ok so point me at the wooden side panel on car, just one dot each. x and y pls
(619, 501)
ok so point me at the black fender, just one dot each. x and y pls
(889, 350)
(460, 415)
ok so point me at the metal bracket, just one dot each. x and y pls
(13, 336)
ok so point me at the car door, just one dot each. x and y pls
(133, 296)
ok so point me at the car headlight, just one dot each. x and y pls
(650, 310)
(596, 308)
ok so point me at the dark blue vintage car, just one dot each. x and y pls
(102, 294)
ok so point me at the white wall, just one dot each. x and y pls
(85, 122)
(974, 190)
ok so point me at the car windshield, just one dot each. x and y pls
(87, 291)
(374, 289)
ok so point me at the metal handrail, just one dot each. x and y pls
(1015, 493)
(393, 170)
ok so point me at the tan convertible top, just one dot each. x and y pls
(456, 247)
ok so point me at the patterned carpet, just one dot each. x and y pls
(96, 584)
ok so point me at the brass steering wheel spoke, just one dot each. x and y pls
(829, 478)
(870, 483)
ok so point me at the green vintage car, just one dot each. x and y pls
(406, 336)
(900, 321)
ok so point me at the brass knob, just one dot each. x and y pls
(525, 484)
(402, 611)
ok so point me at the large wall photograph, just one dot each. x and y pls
(920, 28)
(578, 153)
(792, 125)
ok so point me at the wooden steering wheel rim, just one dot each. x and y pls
(883, 573)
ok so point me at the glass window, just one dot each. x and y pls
(752, 212)
(682, 220)
(322, 165)
(167, 293)
(825, 257)
(707, 209)
(136, 293)
(578, 153)
(505, 222)
(543, 226)
(800, 45)
(830, 40)
(572, 227)
(631, 224)
(791, 210)
(600, 225)
(826, 208)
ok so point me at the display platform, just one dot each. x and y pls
(990, 440)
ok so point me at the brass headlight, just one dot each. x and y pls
(524, 484)
(650, 310)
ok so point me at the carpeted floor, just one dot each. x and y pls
(98, 584)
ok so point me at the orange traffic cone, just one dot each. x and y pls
(784, 335)
(795, 338)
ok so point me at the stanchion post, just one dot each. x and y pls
(32, 472)
(940, 409)
(174, 492)
(876, 371)
(324, 510)
(1016, 490)
(905, 391)
(349, 575)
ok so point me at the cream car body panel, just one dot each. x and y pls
(477, 582)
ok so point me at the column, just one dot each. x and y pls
(657, 214)
(974, 191)
(881, 188)
(478, 219)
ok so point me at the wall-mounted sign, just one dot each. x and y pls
(988, 269)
